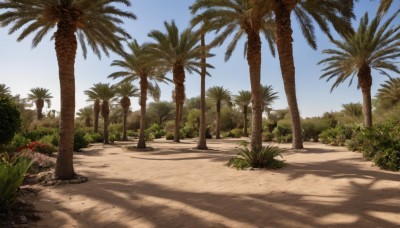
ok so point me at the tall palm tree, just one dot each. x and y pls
(232, 19)
(106, 94)
(268, 97)
(4, 90)
(92, 96)
(138, 64)
(39, 96)
(243, 100)
(218, 94)
(178, 52)
(124, 91)
(86, 114)
(353, 110)
(389, 93)
(372, 46)
(95, 22)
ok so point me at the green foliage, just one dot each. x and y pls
(18, 141)
(39, 147)
(53, 139)
(12, 172)
(263, 158)
(336, 136)
(169, 136)
(94, 137)
(189, 132)
(381, 144)
(10, 120)
(312, 127)
(283, 131)
(236, 133)
(157, 130)
(79, 140)
(267, 136)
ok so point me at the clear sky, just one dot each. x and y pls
(23, 68)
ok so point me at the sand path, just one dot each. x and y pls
(174, 186)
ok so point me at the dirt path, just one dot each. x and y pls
(173, 186)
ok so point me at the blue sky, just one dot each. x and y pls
(24, 68)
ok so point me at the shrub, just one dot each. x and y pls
(236, 133)
(312, 127)
(263, 158)
(336, 136)
(267, 136)
(39, 161)
(284, 138)
(10, 120)
(169, 136)
(12, 173)
(39, 147)
(18, 141)
(79, 140)
(189, 132)
(53, 139)
(112, 138)
(282, 129)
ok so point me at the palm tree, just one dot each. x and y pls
(95, 22)
(232, 19)
(4, 90)
(268, 97)
(218, 94)
(39, 96)
(371, 47)
(353, 110)
(124, 91)
(177, 52)
(106, 94)
(389, 94)
(243, 100)
(96, 107)
(138, 64)
(86, 114)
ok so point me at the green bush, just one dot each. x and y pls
(169, 136)
(18, 141)
(312, 127)
(157, 130)
(283, 128)
(12, 173)
(39, 147)
(189, 132)
(263, 158)
(10, 120)
(53, 139)
(284, 138)
(79, 140)
(267, 136)
(337, 136)
(236, 133)
(381, 144)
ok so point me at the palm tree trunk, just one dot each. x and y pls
(125, 126)
(39, 109)
(66, 45)
(143, 98)
(87, 122)
(365, 82)
(202, 144)
(245, 133)
(285, 49)
(179, 80)
(254, 61)
(105, 112)
(218, 133)
(96, 109)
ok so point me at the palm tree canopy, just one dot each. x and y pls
(243, 98)
(232, 18)
(389, 93)
(174, 48)
(40, 94)
(353, 110)
(218, 93)
(96, 22)
(4, 90)
(86, 112)
(126, 90)
(268, 96)
(371, 45)
(102, 91)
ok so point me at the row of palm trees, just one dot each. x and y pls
(96, 23)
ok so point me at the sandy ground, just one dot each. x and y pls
(178, 186)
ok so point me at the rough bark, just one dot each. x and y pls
(218, 132)
(202, 143)
(254, 61)
(284, 41)
(66, 45)
(179, 80)
(125, 103)
(245, 133)
(105, 113)
(365, 83)
(96, 109)
(143, 99)
(39, 108)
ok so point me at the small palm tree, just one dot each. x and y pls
(232, 18)
(219, 95)
(95, 22)
(39, 96)
(177, 52)
(389, 93)
(353, 110)
(124, 91)
(268, 97)
(4, 90)
(140, 65)
(106, 94)
(243, 100)
(93, 97)
(86, 114)
(371, 47)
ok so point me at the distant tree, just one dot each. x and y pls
(388, 95)
(93, 97)
(161, 111)
(10, 120)
(268, 96)
(219, 95)
(4, 90)
(243, 100)
(353, 110)
(370, 47)
(39, 96)
(86, 114)
(95, 22)
(124, 91)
